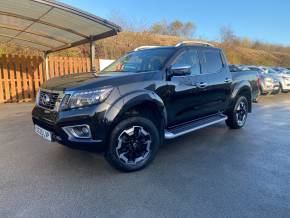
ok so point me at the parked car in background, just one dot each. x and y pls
(239, 67)
(277, 87)
(282, 75)
(276, 80)
(281, 69)
(266, 82)
(240, 73)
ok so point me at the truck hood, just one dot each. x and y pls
(286, 75)
(85, 81)
(279, 76)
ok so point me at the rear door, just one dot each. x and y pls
(214, 83)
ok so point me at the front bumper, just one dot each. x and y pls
(267, 87)
(93, 116)
(286, 85)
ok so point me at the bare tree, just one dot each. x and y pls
(160, 28)
(188, 30)
(175, 28)
(227, 35)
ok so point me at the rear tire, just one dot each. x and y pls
(256, 100)
(133, 145)
(239, 114)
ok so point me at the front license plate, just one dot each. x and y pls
(43, 133)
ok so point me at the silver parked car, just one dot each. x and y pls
(266, 82)
(283, 76)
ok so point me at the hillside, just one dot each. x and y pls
(114, 47)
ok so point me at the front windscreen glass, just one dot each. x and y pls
(141, 61)
(272, 71)
(257, 69)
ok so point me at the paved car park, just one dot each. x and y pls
(214, 172)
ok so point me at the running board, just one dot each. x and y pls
(193, 126)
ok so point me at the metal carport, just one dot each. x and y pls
(51, 26)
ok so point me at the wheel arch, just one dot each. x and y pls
(242, 88)
(144, 103)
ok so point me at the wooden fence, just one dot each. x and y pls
(20, 77)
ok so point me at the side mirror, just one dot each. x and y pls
(180, 70)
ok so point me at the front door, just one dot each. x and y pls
(183, 95)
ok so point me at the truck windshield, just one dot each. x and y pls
(260, 71)
(269, 70)
(141, 61)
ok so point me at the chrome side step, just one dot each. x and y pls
(194, 125)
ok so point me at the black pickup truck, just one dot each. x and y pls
(148, 95)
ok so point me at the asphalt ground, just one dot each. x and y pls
(214, 172)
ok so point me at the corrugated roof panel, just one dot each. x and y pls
(24, 8)
(49, 25)
(30, 44)
(75, 22)
(13, 21)
(8, 32)
(54, 32)
(40, 39)
(4, 39)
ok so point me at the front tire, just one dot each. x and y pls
(133, 144)
(239, 114)
(280, 89)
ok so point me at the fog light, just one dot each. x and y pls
(85, 131)
(80, 131)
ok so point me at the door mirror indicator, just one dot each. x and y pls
(180, 70)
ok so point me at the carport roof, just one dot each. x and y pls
(50, 26)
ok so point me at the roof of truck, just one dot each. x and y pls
(177, 46)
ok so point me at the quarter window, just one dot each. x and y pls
(212, 61)
(189, 57)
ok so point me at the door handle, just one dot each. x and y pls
(202, 85)
(227, 80)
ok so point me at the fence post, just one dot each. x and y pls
(93, 55)
(1, 86)
(46, 66)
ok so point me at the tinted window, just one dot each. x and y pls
(141, 61)
(212, 61)
(272, 71)
(189, 57)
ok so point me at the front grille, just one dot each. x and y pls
(47, 99)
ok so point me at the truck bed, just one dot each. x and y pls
(250, 76)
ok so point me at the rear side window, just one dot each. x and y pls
(212, 61)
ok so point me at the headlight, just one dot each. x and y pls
(85, 98)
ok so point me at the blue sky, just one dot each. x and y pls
(266, 20)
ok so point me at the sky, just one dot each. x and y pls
(266, 20)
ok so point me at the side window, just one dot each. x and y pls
(212, 61)
(189, 57)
